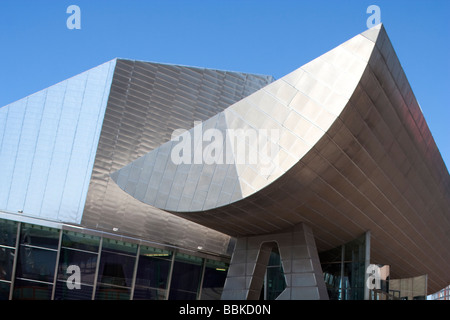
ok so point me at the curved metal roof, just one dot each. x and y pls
(352, 153)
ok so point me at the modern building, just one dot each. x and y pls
(443, 294)
(140, 180)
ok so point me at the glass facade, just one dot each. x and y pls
(43, 263)
(186, 277)
(213, 280)
(153, 273)
(274, 282)
(344, 270)
(8, 239)
(444, 294)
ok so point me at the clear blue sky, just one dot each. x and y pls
(257, 36)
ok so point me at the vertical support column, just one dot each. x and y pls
(259, 270)
(169, 279)
(299, 257)
(97, 267)
(202, 278)
(303, 272)
(342, 285)
(135, 269)
(55, 276)
(366, 266)
(16, 257)
(240, 271)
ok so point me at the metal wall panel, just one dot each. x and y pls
(48, 145)
(147, 102)
(375, 167)
(299, 108)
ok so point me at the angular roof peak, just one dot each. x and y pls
(373, 34)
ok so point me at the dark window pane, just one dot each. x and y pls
(274, 259)
(116, 269)
(214, 280)
(355, 250)
(36, 264)
(4, 290)
(6, 263)
(145, 293)
(8, 233)
(39, 236)
(30, 290)
(105, 292)
(64, 293)
(182, 295)
(80, 241)
(354, 274)
(275, 282)
(331, 256)
(86, 261)
(119, 246)
(153, 272)
(185, 277)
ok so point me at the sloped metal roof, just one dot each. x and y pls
(353, 154)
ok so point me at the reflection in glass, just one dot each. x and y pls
(344, 270)
(213, 280)
(331, 262)
(147, 293)
(62, 292)
(275, 281)
(8, 233)
(152, 274)
(6, 263)
(116, 264)
(185, 277)
(80, 241)
(110, 292)
(118, 246)
(86, 261)
(36, 264)
(116, 269)
(31, 290)
(115, 273)
(39, 236)
(4, 290)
